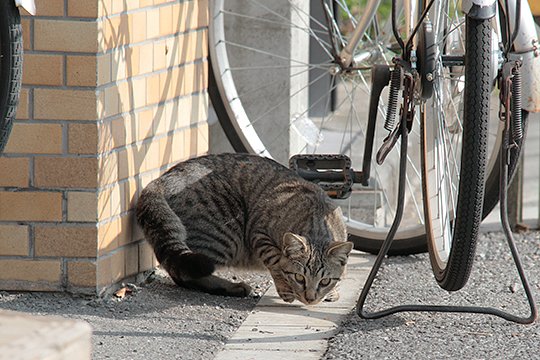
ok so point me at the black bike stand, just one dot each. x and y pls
(505, 148)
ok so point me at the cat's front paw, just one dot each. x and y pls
(332, 296)
(240, 289)
(287, 297)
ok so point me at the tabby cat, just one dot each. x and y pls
(237, 210)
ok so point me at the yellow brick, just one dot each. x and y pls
(152, 89)
(151, 159)
(104, 69)
(34, 64)
(30, 206)
(165, 21)
(50, 7)
(145, 3)
(82, 273)
(187, 15)
(178, 145)
(108, 169)
(138, 96)
(132, 61)
(146, 256)
(137, 23)
(25, 22)
(82, 206)
(125, 5)
(145, 122)
(66, 241)
(178, 26)
(161, 118)
(70, 36)
(165, 150)
(14, 172)
(35, 138)
(53, 104)
(146, 56)
(160, 55)
(111, 101)
(118, 65)
(152, 23)
(131, 260)
(104, 207)
(119, 132)
(88, 8)
(202, 11)
(108, 236)
(130, 193)
(116, 200)
(104, 7)
(104, 137)
(197, 141)
(30, 270)
(111, 268)
(194, 46)
(22, 109)
(56, 172)
(13, 240)
(81, 71)
(82, 138)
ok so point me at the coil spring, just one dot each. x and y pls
(517, 128)
(395, 85)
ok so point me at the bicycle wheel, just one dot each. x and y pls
(274, 100)
(10, 67)
(454, 144)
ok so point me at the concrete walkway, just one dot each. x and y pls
(277, 330)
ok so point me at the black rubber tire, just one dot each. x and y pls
(11, 47)
(454, 275)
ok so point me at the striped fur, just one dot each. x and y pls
(244, 211)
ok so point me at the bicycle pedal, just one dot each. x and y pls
(333, 173)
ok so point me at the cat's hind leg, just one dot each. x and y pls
(216, 286)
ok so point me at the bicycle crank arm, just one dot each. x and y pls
(333, 173)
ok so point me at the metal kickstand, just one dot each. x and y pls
(505, 149)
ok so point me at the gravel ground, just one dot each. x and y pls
(493, 282)
(157, 321)
(160, 320)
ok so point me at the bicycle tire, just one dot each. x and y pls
(407, 241)
(453, 219)
(11, 48)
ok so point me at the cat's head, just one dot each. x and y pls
(307, 273)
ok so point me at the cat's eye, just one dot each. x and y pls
(325, 282)
(299, 278)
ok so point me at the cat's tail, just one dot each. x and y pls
(167, 236)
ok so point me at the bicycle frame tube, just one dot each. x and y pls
(346, 55)
(527, 48)
(28, 5)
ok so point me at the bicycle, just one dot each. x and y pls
(446, 95)
(11, 55)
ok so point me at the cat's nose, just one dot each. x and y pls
(310, 297)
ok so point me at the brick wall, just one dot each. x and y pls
(114, 93)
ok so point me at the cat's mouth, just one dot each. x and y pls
(308, 302)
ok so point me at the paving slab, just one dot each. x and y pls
(24, 337)
(277, 330)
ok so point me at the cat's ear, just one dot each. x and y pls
(293, 245)
(340, 250)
